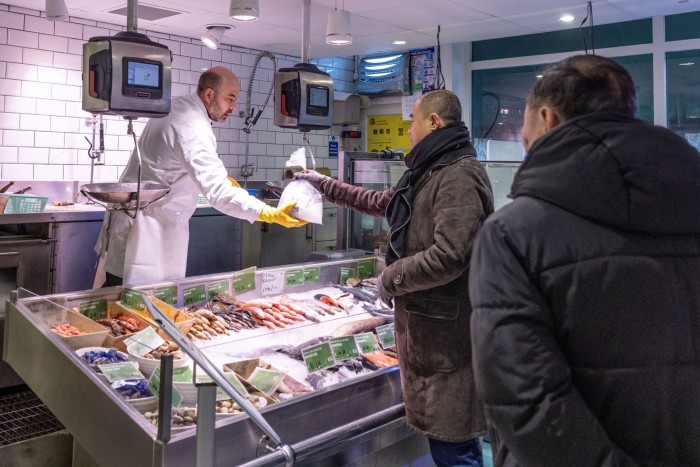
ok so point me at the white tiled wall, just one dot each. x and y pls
(43, 127)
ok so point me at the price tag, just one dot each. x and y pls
(183, 374)
(294, 277)
(386, 335)
(119, 371)
(244, 281)
(344, 348)
(94, 309)
(215, 289)
(144, 341)
(167, 294)
(366, 342)
(365, 268)
(318, 357)
(266, 380)
(222, 395)
(273, 283)
(345, 274)
(195, 294)
(312, 275)
(154, 385)
(131, 298)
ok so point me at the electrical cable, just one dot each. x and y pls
(440, 78)
(498, 113)
(589, 14)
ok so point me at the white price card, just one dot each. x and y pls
(273, 282)
(119, 371)
(144, 341)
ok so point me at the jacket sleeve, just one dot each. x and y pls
(364, 200)
(521, 374)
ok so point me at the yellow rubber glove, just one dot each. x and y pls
(233, 182)
(280, 216)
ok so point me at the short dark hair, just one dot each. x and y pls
(444, 103)
(209, 79)
(585, 84)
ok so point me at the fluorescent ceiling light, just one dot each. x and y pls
(244, 10)
(566, 18)
(398, 42)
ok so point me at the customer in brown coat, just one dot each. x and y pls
(434, 212)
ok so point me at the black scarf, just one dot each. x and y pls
(421, 158)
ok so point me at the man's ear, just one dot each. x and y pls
(435, 121)
(208, 95)
(550, 117)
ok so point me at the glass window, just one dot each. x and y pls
(683, 94)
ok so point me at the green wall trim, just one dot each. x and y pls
(683, 26)
(570, 40)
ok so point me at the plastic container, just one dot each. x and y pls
(20, 204)
(148, 365)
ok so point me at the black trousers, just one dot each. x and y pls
(112, 280)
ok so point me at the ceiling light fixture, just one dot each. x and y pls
(56, 10)
(398, 42)
(244, 10)
(338, 30)
(566, 18)
(215, 32)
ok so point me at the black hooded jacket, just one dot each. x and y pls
(586, 299)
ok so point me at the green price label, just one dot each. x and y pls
(366, 342)
(318, 357)
(222, 395)
(294, 277)
(244, 281)
(167, 294)
(386, 335)
(345, 274)
(195, 294)
(94, 309)
(365, 268)
(183, 374)
(217, 288)
(132, 299)
(154, 386)
(344, 348)
(312, 275)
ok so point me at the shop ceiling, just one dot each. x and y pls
(375, 23)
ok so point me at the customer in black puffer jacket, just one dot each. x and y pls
(586, 288)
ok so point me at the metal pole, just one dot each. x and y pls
(305, 30)
(206, 416)
(131, 15)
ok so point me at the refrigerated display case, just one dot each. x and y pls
(375, 171)
(333, 424)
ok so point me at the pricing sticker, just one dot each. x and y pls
(195, 294)
(366, 342)
(154, 386)
(94, 309)
(385, 333)
(144, 341)
(312, 275)
(222, 395)
(131, 298)
(244, 281)
(119, 371)
(344, 348)
(294, 277)
(183, 374)
(265, 379)
(166, 294)
(215, 289)
(365, 268)
(345, 274)
(273, 283)
(318, 357)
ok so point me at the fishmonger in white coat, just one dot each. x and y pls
(179, 151)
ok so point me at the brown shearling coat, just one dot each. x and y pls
(431, 293)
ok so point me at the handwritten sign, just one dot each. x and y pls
(273, 282)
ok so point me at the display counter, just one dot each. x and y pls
(333, 424)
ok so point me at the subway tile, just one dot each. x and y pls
(35, 89)
(17, 138)
(276, 150)
(33, 156)
(11, 20)
(8, 154)
(9, 121)
(77, 172)
(21, 71)
(38, 24)
(75, 109)
(35, 122)
(65, 124)
(77, 141)
(23, 39)
(283, 138)
(92, 31)
(231, 57)
(69, 93)
(48, 172)
(2, 103)
(68, 29)
(213, 55)
(18, 171)
(49, 139)
(3, 35)
(11, 53)
(75, 46)
(37, 57)
(180, 89)
(47, 74)
(71, 62)
(65, 156)
(54, 43)
(20, 104)
(174, 46)
(191, 50)
(199, 65)
(120, 158)
(74, 77)
(179, 62)
(104, 173)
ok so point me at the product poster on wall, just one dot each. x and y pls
(387, 131)
(422, 69)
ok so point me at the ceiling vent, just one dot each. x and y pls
(148, 13)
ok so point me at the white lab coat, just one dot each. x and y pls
(179, 151)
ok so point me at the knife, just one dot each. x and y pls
(23, 190)
(5, 188)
